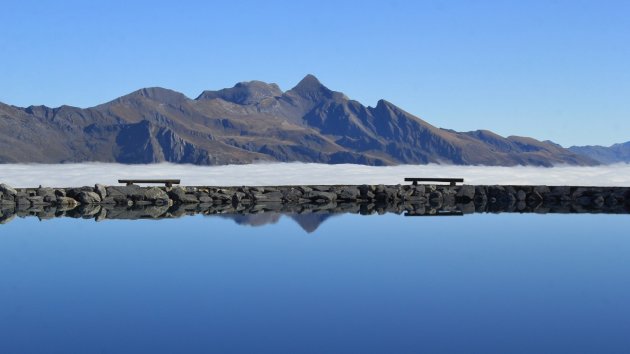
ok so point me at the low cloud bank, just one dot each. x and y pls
(68, 175)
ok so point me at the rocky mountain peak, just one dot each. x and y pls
(383, 104)
(158, 94)
(311, 88)
(387, 109)
(248, 92)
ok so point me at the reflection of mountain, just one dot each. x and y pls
(254, 219)
(308, 222)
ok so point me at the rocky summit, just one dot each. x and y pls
(255, 121)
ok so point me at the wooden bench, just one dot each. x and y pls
(166, 182)
(438, 213)
(452, 181)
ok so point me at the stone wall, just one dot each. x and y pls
(132, 202)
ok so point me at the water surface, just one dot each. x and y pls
(482, 283)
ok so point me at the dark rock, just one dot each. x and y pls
(109, 201)
(542, 190)
(237, 197)
(436, 199)
(578, 192)
(37, 200)
(534, 198)
(7, 202)
(392, 192)
(47, 214)
(467, 208)
(22, 202)
(611, 201)
(179, 195)
(560, 190)
(221, 197)
(292, 195)
(272, 196)
(349, 193)
(45, 192)
(88, 198)
(7, 199)
(305, 189)
(188, 199)
(155, 194)
(74, 192)
(584, 200)
(598, 201)
(499, 198)
(102, 214)
(205, 199)
(380, 194)
(321, 188)
(366, 192)
(466, 191)
(101, 190)
(67, 202)
(321, 197)
(4, 219)
(87, 211)
(419, 190)
(7, 190)
(125, 191)
(404, 192)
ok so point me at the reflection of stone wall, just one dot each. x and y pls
(133, 202)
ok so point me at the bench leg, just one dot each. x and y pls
(414, 183)
(169, 185)
(130, 183)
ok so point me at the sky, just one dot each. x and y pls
(550, 69)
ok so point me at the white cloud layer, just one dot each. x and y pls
(67, 175)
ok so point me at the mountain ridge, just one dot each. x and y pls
(616, 153)
(255, 121)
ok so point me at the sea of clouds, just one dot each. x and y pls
(67, 175)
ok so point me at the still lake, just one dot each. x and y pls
(481, 283)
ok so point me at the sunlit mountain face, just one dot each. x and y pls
(256, 121)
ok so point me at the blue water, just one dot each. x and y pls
(357, 284)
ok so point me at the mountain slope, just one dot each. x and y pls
(255, 121)
(607, 155)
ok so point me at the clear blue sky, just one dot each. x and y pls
(556, 70)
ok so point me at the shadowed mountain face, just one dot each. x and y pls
(255, 121)
(605, 154)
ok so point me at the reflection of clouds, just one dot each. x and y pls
(308, 222)
(65, 175)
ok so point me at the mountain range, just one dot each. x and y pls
(256, 121)
(605, 154)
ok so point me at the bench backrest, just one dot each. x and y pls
(452, 181)
(167, 182)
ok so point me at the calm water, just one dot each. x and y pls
(390, 284)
